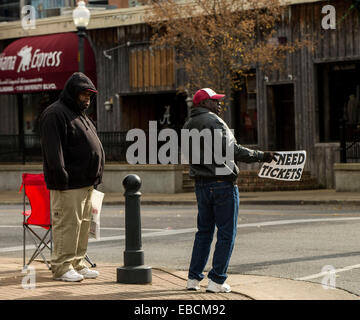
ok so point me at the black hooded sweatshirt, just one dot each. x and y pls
(73, 156)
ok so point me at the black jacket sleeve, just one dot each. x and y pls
(53, 140)
(241, 153)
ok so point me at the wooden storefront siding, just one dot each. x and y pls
(108, 80)
(342, 44)
(133, 69)
(151, 69)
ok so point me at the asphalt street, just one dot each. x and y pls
(295, 242)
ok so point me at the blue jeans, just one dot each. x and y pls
(218, 205)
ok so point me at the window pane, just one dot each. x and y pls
(245, 110)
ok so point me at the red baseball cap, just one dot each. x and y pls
(204, 94)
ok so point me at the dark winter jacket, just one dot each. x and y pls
(72, 152)
(202, 118)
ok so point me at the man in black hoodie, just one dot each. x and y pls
(73, 160)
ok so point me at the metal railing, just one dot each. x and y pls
(349, 142)
(15, 148)
(115, 145)
(18, 148)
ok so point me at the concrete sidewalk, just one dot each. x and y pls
(311, 197)
(166, 285)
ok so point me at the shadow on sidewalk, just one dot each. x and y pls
(165, 286)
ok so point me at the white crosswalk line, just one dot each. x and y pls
(169, 232)
(322, 274)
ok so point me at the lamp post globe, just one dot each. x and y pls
(81, 15)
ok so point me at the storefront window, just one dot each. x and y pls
(339, 98)
(9, 10)
(48, 8)
(34, 104)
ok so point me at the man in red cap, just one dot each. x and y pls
(216, 192)
(73, 160)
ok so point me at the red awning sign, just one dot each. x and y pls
(43, 63)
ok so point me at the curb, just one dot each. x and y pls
(250, 202)
(175, 274)
(242, 201)
(260, 287)
(300, 202)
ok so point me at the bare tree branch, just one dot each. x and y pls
(217, 41)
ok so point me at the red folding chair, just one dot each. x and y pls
(39, 199)
(35, 190)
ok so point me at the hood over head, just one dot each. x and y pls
(74, 85)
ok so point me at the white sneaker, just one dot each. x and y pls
(217, 287)
(88, 274)
(193, 284)
(71, 276)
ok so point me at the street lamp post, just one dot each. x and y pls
(81, 35)
(81, 17)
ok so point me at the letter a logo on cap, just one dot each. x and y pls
(204, 94)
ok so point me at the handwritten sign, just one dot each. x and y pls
(288, 167)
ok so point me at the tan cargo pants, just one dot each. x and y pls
(71, 215)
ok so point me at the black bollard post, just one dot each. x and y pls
(133, 271)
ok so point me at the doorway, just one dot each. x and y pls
(281, 117)
(338, 98)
